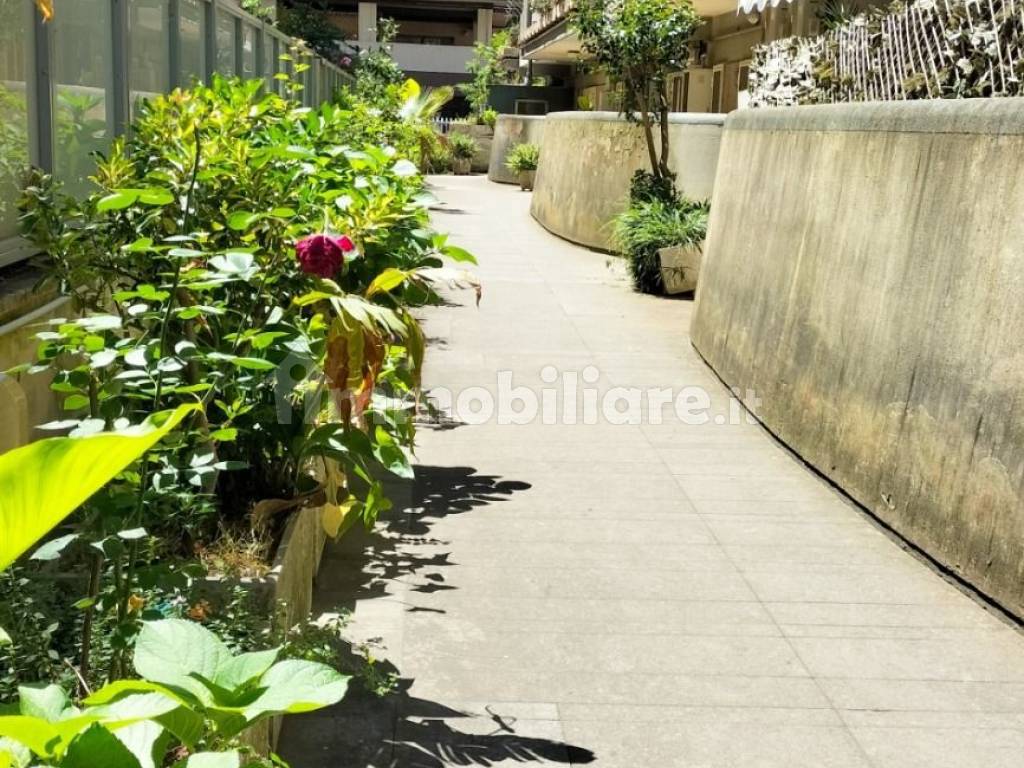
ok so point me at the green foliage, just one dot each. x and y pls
(378, 75)
(303, 384)
(523, 157)
(308, 20)
(486, 70)
(645, 187)
(489, 118)
(649, 225)
(463, 145)
(195, 697)
(43, 482)
(638, 43)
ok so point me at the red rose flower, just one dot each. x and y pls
(323, 255)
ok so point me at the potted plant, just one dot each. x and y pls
(523, 159)
(463, 148)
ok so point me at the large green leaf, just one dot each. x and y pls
(45, 702)
(98, 747)
(211, 760)
(294, 686)
(176, 652)
(45, 481)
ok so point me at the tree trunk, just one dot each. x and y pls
(663, 115)
(645, 117)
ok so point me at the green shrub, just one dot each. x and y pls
(523, 157)
(645, 187)
(463, 145)
(647, 226)
(489, 117)
(255, 261)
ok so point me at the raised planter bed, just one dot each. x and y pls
(289, 583)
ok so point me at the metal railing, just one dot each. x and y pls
(68, 86)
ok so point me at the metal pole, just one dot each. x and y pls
(210, 42)
(40, 95)
(174, 44)
(120, 58)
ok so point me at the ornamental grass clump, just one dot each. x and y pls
(652, 223)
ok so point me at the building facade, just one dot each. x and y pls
(715, 79)
(435, 37)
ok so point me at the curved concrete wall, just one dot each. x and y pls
(589, 157)
(509, 131)
(864, 275)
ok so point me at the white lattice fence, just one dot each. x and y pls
(927, 49)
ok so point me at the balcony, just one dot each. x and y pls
(420, 57)
(544, 16)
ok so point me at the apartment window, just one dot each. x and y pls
(531, 107)
(717, 81)
(743, 84)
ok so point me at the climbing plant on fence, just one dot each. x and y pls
(928, 49)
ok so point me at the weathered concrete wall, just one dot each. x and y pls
(589, 158)
(864, 275)
(484, 136)
(509, 131)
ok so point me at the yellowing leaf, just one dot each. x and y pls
(45, 8)
(43, 482)
(386, 281)
(338, 518)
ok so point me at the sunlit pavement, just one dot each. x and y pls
(636, 595)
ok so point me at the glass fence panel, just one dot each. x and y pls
(191, 32)
(225, 43)
(149, 42)
(248, 51)
(80, 39)
(15, 31)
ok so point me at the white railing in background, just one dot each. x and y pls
(444, 124)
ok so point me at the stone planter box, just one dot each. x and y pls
(290, 581)
(509, 131)
(484, 136)
(680, 267)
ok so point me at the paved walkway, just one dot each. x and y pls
(639, 596)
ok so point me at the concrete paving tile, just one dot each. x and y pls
(600, 584)
(755, 530)
(791, 487)
(667, 688)
(660, 714)
(941, 747)
(718, 745)
(846, 584)
(604, 654)
(991, 658)
(924, 695)
(483, 617)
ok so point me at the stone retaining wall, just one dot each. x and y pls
(588, 159)
(509, 131)
(864, 276)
